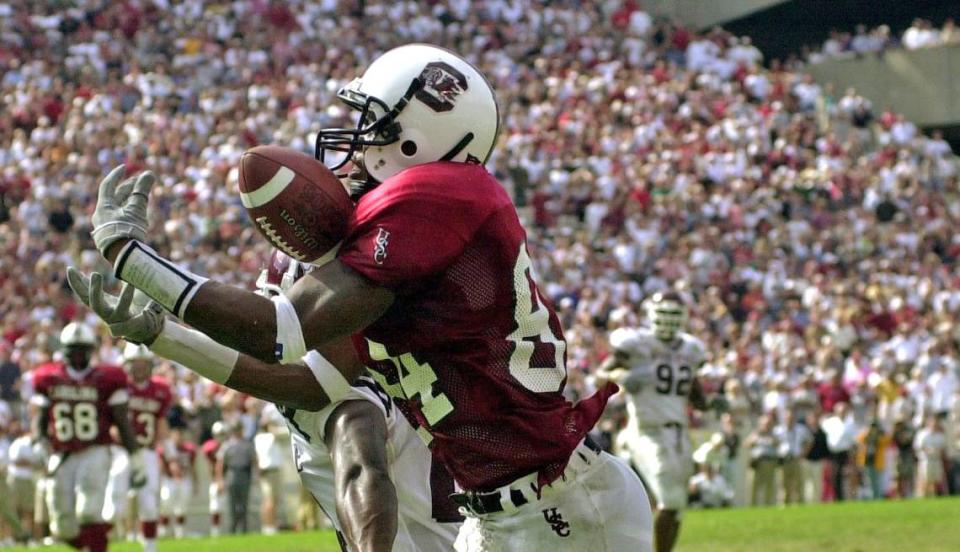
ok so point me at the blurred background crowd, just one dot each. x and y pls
(811, 234)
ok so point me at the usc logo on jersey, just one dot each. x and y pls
(380, 244)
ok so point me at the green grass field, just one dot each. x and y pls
(912, 526)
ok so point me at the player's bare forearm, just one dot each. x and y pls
(698, 398)
(333, 301)
(113, 251)
(294, 385)
(290, 385)
(366, 497)
(40, 424)
(121, 418)
(235, 317)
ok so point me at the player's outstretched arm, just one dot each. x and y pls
(332, 301)
(356, 436)
(318, 378)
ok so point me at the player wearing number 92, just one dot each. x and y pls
(658, 368)
(78, 404)
(434, 284)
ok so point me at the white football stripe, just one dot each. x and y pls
(265, 194)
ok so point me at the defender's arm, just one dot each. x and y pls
(295, 385)
(366, 499)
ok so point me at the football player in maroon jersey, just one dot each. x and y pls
(210, 447)
(434, 285)
(150, 398)
(78, 404)
(179, 482)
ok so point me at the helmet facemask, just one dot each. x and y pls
(371, 130)
(668, 316)
(78, 356)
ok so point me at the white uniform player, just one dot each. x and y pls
(410, 463)
(658, 370)
(427, 521)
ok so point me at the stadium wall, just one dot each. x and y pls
(703, 14)
(924, 85)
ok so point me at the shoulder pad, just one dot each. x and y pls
(624, 339)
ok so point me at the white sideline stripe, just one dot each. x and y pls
(265, 194)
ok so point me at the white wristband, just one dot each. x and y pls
(330, 379)
(290, 345)
(170, 286)
(196, 351)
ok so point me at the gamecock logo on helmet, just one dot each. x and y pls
(442, 83)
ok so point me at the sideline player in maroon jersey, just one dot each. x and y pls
(434, 283)
(150, 398)
(78, 404)
(179, 482)
(210, 447)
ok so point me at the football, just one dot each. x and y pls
(297, 203)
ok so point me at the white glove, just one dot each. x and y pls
(121, 211)
(132, 315)
(53, 463)
(138, 470)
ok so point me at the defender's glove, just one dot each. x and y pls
(138, 471)
(121, 211)
(131, 315)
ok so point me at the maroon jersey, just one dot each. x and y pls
(183, 456)
(79, 407)
(471, 351)
(148, 405)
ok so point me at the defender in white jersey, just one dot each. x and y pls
(427, 519)
(658, 368)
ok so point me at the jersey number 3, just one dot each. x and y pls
(537, 361)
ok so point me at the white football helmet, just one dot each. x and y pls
(219, 430)
(418, 103)
(77, 334)
(133, 352)
(667, 314)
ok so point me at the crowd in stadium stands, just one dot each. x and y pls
(920, 34)
(812, 236)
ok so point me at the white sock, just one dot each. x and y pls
(149, 545)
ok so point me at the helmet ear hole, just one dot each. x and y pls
(409, 148)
